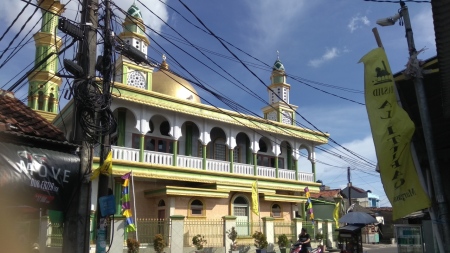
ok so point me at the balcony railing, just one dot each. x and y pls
(130, 154)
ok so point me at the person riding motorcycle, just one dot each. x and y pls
(305, 240)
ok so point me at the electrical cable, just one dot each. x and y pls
(14, 21)
(20, 31)
(179, 64)
(212, 33)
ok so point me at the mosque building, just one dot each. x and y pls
(189, 158)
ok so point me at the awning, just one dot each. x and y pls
(186, 191)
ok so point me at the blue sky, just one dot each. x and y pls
(320, 41)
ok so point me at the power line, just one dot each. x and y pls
(200, 85)
(20, 31)
(212, 33)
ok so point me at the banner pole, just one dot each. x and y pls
(134, 205)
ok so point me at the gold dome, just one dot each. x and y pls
(167, 83)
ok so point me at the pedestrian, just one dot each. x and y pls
(305, 240)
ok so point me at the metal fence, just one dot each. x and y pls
(212, 230)
(310, 227)
(148, 228)
(55, 235)
(287, 228)
(245, 228)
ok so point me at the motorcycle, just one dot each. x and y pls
(297, 247)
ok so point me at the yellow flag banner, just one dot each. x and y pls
(392, 130)
(336, 213)
(255, 198)
(105, 168)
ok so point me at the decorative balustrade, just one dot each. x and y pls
(190, 162)
(305, 176)
(219, 166)
(245, 169)
(123, 153)
(266, 172)
(158, 158)
(286, 174)
(130, 154)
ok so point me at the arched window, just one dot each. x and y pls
(276, 211)
(51, 102)
(41, 100)
(197, 208)
(241, 210)
(161, 203)
(220, 149)
(164, 128)
(262, 146)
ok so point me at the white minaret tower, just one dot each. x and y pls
(127, 71)
(279, 109)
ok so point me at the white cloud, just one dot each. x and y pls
(9, 10)
(357, 22)
(423, 29)
(329, 55)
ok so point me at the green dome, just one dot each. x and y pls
(278, 65)
(134, 11)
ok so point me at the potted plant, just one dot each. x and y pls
(159, 243)
(260, 242)
(133, 245)
(232, 235)
(199, 241)
(283, 242)
(319, 237)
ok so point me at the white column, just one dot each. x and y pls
(228, 223)
(119, 235)
(329, 239)
(269, 232)
(177, 234)
(298, 226)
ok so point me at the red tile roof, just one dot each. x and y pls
(18, 118)
(326, 194)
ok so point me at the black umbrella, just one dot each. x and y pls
(357, 218)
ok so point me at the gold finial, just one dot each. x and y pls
(164, 64)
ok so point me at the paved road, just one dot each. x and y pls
(380, 248)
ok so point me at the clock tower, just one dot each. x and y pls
(127, 71)
(279, 108)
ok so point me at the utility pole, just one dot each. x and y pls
(105, 145)
(442, 206)
(77, 220)
(349, 188)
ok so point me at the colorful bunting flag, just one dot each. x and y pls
(126, 207)
(308, 205)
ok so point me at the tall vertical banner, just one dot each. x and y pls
(308, 205)
(336, 213)
(255, 198)
(392, 130)
(126, 206)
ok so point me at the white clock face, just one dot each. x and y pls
(287, 117)
(272, 116)
(136, 79)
